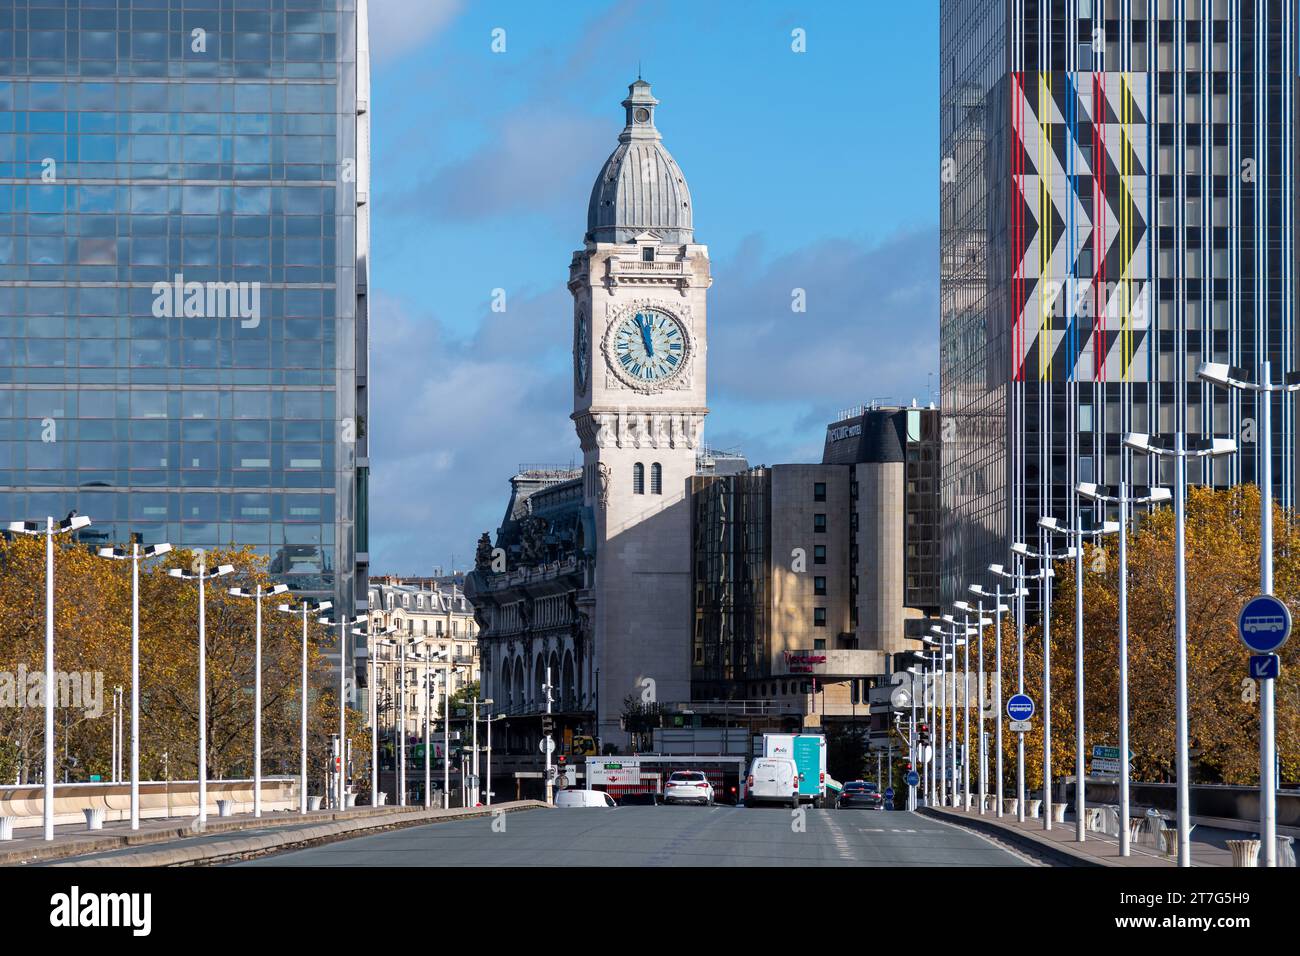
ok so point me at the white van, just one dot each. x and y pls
(772, 780)
(583, 798)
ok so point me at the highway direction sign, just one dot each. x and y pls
(1264, 624)
(1020, 707)
(1264, 666)
(1105, 760)
(1021, 726)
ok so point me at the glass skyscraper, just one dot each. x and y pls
(1116, 208)
(183, 275)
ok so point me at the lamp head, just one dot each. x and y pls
(1140, 442)
(1216, 373)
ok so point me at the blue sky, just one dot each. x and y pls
(811, 170)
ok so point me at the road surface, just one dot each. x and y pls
(665, 836)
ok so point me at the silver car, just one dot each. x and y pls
(688, 786)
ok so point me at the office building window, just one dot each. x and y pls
(819, 524)
(819, 554)
(819, 491)
(656, 479)
(819, 616)
(819, 585)
(638, 479)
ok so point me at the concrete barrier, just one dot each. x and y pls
(342, 826)
(314, 801)
(158, 798)
(1244, 852)
(1034, 807)
(1058, 813)
(94, 818)
(1010, 805)
(1286, 851)
(6, 828)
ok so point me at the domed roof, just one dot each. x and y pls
(641, 189)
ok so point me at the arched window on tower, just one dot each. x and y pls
(638, 479)
(656, 479)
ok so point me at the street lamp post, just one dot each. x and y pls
(998, 608)
(1020, 592)
(1178, 448)
(1076, 537)
(942, 716)
(486, 703)
(490, 720)
(71, 524)
(1122, 500)
(978, 633)
(303, 609)
(201, 576)
(954, 642)
(1046, 557)
(257, 594)
(927, 787)
(134, 556)
(344, 622)
(373, 643)
(1264, 387)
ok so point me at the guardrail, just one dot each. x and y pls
(158, 798)
(1205, 800)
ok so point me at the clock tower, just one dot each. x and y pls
(639, 286)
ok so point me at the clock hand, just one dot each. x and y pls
(645, 337)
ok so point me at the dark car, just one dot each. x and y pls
(859, 793)
(639, 800)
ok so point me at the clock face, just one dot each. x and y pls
(649, 346)
(580, 354)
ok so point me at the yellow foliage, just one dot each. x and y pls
(93, 635)
(1222, 539)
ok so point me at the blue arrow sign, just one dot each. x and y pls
(913, 778)
(1264, 624)
(889, 794)
(1020, 707)
(1265, 666)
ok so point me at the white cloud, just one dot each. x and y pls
(399, 26)
(453, 419)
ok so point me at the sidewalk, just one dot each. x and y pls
(178, 839)
(1059, 847)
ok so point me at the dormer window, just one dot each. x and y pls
(647, 253)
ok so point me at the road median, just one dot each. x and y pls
(198, 850)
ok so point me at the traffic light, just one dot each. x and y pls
(923, 735)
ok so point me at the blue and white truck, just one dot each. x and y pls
(808, 751)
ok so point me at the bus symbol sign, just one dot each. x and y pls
(1264, 624)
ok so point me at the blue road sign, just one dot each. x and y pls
(1265, 666)
(889, 795)
(1020, 707)
(913, 778)
(1264, 624)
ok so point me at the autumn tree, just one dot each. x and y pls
(92, 637)
(1222, 541)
